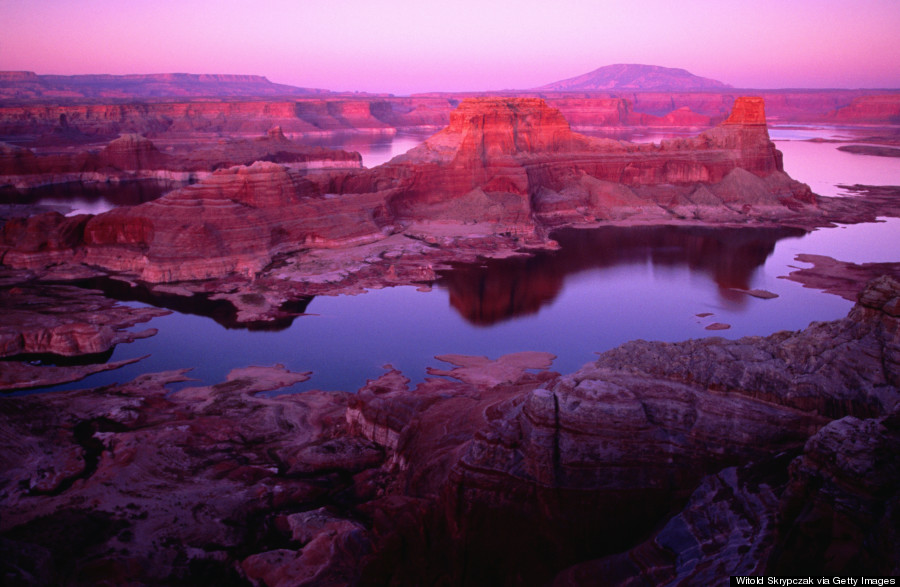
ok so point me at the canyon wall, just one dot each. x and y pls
(322, 116)
(503, 166)
(133, 156)
(881, 109)
(298, 116)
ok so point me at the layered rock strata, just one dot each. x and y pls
(51, 334)
(881, 109)
(133, 156)
(173, 118)
(60, 120)
(502, 167)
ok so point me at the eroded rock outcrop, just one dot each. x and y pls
(162, 486)
(514, 165)
(133, 156)
(882, 109)
(498, 475)
(589, 462)
(234, 222)
(503, 166)
(806, 370)
(50, 323)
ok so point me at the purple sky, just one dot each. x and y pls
(405, 46)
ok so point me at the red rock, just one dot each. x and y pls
(658, 463)
(66, 321)
(592, 113)
(747, 111)
(683, 116)
(512, 166)
(134, 156)
(883, 109)
(236, 221)
(131, 152)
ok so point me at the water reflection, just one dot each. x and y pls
(503, 289)
(375, 149)
(220, 311)
(90, 198)
(824, 168)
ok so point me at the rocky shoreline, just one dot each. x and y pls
(260, 241)
(658, 462)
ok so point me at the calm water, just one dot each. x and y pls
(374, 148)
(602, 288)
(823, 167)
(89, 198)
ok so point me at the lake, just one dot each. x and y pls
(602, 288)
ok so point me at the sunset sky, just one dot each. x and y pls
(406, 46)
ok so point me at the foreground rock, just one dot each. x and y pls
(659, 463)
(47, 330)
(65, 321)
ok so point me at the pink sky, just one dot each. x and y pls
(405, 46)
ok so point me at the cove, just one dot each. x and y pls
(602, 287)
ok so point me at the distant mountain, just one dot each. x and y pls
(626, 76)
(27, 85)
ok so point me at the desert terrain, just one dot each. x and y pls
(655, 463)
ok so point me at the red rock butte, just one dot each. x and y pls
(488, 126)
(748, 111)
(513, 166)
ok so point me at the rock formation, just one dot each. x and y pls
(31, 121)
(501, 167)
(236, 221)
(180, 118)
(78, 322)
(882, 109)
(46, 331)
(657, 463)
(515, 162)
(131, 152)
(133, 156)
(840, 277)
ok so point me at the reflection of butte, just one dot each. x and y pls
(221, 311)
(506, 288)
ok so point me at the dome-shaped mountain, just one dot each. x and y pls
(629, 76)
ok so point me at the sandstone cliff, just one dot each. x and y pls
(133, 156)
(503, 166)
(310, 116)
(884, 109)
(519, 159)
(591, 461)
(79, 121)
(235, 221)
